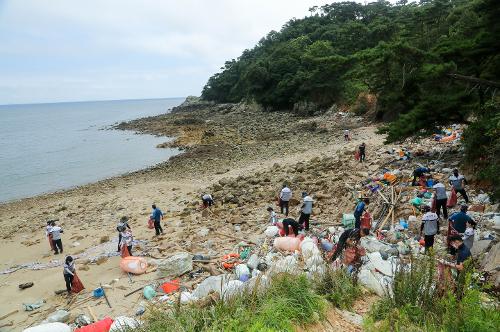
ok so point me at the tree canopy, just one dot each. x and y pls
(427, 62)
(403, 53)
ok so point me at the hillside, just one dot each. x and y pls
(426, 64)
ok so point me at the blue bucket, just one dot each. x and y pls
(98, 292)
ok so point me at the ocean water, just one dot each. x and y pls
(49, 147)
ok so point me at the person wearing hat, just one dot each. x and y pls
(120, 227)
(429, 227)
(458, 182)
(305, 211)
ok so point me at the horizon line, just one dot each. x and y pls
(89, 101)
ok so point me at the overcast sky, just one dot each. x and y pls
(64, 50)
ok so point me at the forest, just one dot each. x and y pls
(427, 63)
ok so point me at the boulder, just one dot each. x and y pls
(480, 247)
(491, 260)
(176, 265)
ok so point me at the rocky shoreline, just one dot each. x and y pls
(236, 152)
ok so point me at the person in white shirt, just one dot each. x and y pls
(429, 227)
(285, 196)
(48, 235)
(469, 234)
(347, 136)
(207, 200)
(441, 199)
(458, 182)
(306, 211)
(273, 219)
(56, 231)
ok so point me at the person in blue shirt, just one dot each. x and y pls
(358, 211)
(157, 216)
(418, 172)
(459, 220)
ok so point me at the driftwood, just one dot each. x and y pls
(92, 313)
(9, 314)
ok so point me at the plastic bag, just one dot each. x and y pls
(77, 285)
(151, 223)
(452, 200)
(100, 326)
(125, 252)
(366, 221)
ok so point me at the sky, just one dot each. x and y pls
(75, 50)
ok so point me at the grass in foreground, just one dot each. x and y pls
(422, 302)
(338, 287)
(290, 300)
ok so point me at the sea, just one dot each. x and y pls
(50, 147)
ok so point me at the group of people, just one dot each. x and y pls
(460, 235)
(284, 203)
(125, 241)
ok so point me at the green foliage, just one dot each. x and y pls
(289, 301)
(419, 302)
(482, 145)
(338, 287)
(402, 53)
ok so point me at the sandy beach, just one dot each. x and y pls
(228, 144)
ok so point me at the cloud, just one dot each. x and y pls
(58, 50)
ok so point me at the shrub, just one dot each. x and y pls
(419, 302)
(287, 301)
(338, 288)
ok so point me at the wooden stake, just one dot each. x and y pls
(92, 313)
(385, 199)
(9, 314)
(11, 323)
(393, 204)
(105, 296)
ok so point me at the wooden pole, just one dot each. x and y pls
(385, 199)
(91, 313)
(393, 204)
(9, 314)
(105, 296)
